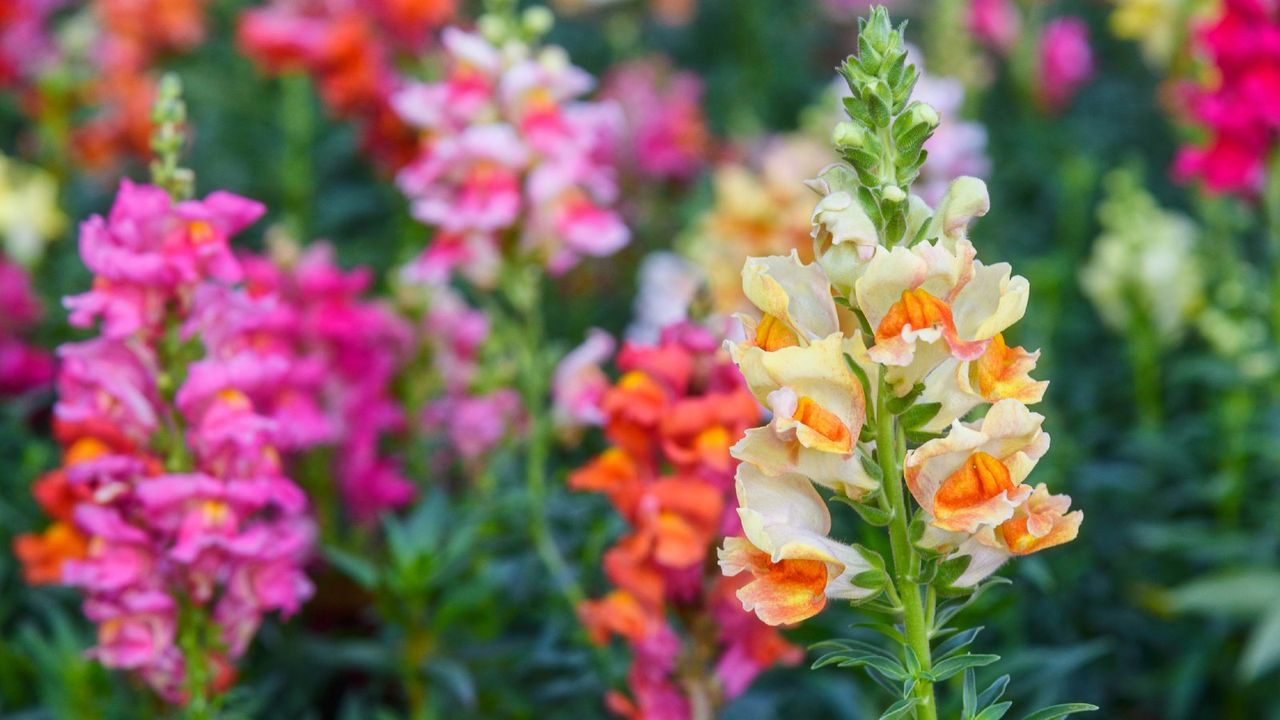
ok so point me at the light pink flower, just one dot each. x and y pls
(579, 384)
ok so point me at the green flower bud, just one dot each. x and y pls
(493, 28)
(847, 136)
(537, 21)
(893, 194)
(922, 113)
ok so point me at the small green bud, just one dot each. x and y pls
(493, 28)
(893, 194)
(923, 113)
(537, 21)
(847, 136)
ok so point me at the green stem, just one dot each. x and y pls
(1234, 414)
(1144, 359)
(297, 120)
(417, 690)
(890, 447)
(191, 640)
(533, 375)
(1271, 211)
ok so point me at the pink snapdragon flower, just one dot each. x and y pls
(666, 131)
(1241, 112)
(210, 521)
(343, 354)
(26, 40)
(474, 423)
(23, 366)
(509, 146)
(996, 23)
(150, 251)
(1065, 62)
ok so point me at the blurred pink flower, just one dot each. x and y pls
(666, 132)
(1241, 111)
(23, 366)
(996, 23)
(509, 143)
(1066, 62)
(579, 383)
(474, 424)
(185, 529)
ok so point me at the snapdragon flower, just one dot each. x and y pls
(666, 132)
(1238, 110)
(884, 364)
(510, 153)
(350, 50)
(172, 510)
(23, 365)
(1065, 62)
(671, 417)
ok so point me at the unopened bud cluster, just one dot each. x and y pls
(884, 139)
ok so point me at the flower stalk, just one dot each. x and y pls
(890, 446)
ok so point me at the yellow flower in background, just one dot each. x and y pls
(29, 213)
(760, 208)
(1156, 25)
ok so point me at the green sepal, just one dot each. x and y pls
(918, 416)
(950, 570)
(899, 405)
(870, 514)
(870, 580)
(859, 373)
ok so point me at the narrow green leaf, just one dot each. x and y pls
(861, 374)
(1060, 711)
(954, 665)
(899, 709)
(995, 712)
(870, 514)
(955, 644)
(912, 661)
(890, 631)
(1262, 652)
(870, 466)
(359, 570)
(890, 668)
(994, 691)
(969, 695)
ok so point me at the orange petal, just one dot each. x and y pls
(917, 309)
(824, 422)
(1003, 372)
(43, 555)
(780, 593)
(773, 334)
(963, 498)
